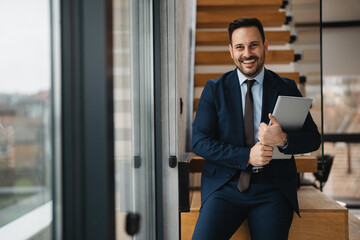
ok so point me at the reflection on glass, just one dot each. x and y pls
(123, 114)
(25, 144)
(133, 116)
(341, 104)
(342, 116)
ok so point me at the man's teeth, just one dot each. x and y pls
(249, 61)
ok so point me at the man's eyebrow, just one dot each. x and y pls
(241, 44)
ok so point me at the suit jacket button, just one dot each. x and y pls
(229, 175)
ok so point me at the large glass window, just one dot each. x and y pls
(25, 117)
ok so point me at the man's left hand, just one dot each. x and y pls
(271, 135)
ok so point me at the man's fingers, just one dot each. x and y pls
(273, 119)
(267, 148)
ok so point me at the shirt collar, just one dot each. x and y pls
(259, 78)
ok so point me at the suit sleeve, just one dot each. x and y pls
(204, 138)
(306, 140)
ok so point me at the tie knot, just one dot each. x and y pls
(250, 83)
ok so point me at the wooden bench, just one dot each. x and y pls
(303, 164)
(321, 219)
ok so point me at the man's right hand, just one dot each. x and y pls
(260, 155)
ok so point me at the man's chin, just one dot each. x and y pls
(249, 74)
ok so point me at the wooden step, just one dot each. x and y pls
(220, 17)
(196, 103)
(243, 3)
(216, 38)
(223, 57)
(200, 79)
(303, 164)
(321, 218)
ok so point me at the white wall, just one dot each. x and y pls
(341, 51)
(344, 10)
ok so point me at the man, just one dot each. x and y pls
(240, 180)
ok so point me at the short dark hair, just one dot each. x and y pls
(246, 22)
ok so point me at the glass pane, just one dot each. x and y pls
(133, 101)
(341, 84)
(25, 115)
(306, 25)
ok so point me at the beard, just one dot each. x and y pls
(253, 71)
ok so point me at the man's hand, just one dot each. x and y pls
(260, 155)
(271, 135)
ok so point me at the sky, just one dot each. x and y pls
(24, 46)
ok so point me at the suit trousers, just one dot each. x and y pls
(268, 212)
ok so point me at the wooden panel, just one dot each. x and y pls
(196, 201)
(303, 164)
(223, 57)
(320, 226)
(242, 3)
(291, 75)
(321, 219)
(306, 164)
(200, 79)
(220, 18)
(215, 38)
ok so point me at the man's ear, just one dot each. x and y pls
(266, 45)
(230, 50)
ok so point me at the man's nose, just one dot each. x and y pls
(246, 53)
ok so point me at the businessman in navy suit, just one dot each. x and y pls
(269, 198)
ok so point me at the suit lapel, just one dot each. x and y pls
(270, 94)
(233, 95)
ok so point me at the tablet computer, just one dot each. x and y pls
(291, 113)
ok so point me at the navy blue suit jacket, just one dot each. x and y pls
(218, 134)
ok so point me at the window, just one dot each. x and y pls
(25, 118)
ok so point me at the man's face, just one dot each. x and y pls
(248, 51)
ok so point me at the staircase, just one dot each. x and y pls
(322, 218)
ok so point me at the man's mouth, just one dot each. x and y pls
(249, 61)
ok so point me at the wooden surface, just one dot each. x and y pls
(196, 103)
(312, 200)
(221, 38)
(224, 58)
(303, 164)
(220, 18)
(306, 164)
(321, 219)
(242, 3)
(200, 79)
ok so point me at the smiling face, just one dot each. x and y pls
(248, 51)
